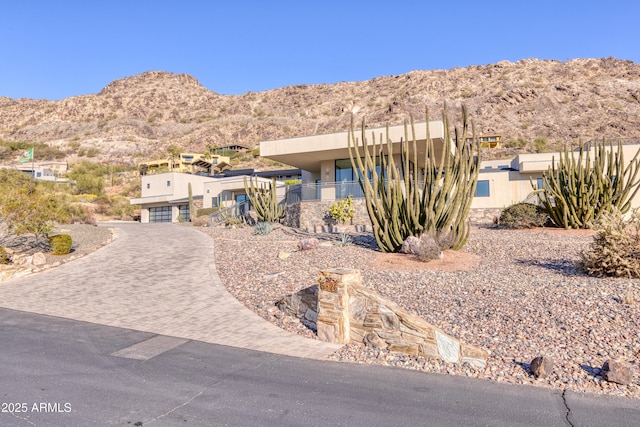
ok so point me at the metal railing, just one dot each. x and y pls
(239, 210)
(325, 190)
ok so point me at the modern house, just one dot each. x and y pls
(327, 174)
(165, 196)
(186, 162)
(44, 171)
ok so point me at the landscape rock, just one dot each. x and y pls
(410, 245)
(372, 340)
(541, 366)
(39, 259)
(306, 244)
(616, 372)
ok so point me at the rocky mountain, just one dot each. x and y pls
(138, 117)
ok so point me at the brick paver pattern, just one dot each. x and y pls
(158, 278)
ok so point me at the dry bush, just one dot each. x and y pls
(615, 250)
(200, 221)
(523, 215)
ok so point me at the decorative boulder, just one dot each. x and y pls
(616, 372)
(541, 366)
(306, 244)
(410, 245)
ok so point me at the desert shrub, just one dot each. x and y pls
(262, 228)
(200, 221)
(207, 211)
(60, 244)
(342, 210)
(28, 207)
(4, 256)
(515, 143)
(119, 207)
(524, 215)
(540, 144)
(234, 221)
(615, 250)
(344, 240)
(78, 214)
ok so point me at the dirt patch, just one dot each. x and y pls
(452, 261)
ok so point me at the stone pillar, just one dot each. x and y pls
(333, 304)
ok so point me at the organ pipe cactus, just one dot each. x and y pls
(264, 200)
(579, 190)
(402, 200)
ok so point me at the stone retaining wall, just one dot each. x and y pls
(344, 311)
(310, 216)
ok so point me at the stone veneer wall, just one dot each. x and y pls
(310, 216)
(345, 311)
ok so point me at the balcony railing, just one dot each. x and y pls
(324, 191)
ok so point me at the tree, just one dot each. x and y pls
(403, 200)
(28, 207)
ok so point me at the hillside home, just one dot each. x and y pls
(327, 174)
(41, 172)
(186, 162)
(165, 196)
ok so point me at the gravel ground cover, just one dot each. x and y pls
(515, 293)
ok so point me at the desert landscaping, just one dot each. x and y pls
(515, 293)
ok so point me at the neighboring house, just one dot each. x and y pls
(278, 174)
(165, 196)
(186, 162)
(40, 172)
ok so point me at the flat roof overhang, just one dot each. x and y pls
(308, 152)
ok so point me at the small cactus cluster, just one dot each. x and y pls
(264, 200)
(402, 199)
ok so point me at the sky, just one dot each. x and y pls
(58, 49)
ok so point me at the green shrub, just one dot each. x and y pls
(61, 244)
(615, 250)
(262, 228)
(342, 210)
(4, 256)
(523, 215)
(234, 221)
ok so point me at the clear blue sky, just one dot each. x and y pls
(56, 49)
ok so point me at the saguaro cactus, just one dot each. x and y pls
(577, 193)
(404, 201)
(264, 200)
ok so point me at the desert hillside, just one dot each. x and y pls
(138, 117)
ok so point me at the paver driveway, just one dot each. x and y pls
(157, 278)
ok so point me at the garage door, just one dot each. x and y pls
(160, 214)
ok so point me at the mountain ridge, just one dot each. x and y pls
(138, 117)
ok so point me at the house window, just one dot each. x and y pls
(482, 188)
(148, 185)
(215, 202)
(160, 214)
(183, 211)
(539, 183)
(168, 183)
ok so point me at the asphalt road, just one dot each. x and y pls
(58, 372)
